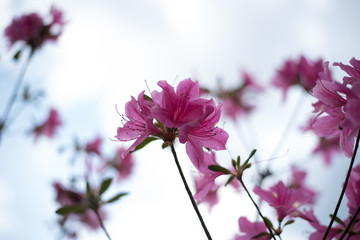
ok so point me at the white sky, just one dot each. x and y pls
(106, 52)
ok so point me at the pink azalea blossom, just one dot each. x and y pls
(33, 30)
(236, 101)
(285, 200)
(49, 127)
(94, 146)
(176, 114)
(301, 72)
(353, 190)
(327, 148)
(123, 166)
(71, 197)
(176, 109)
(205, 135)
(138, 122)
(297, 182)
(251, 229)
(337, 106)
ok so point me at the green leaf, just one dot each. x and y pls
(238, 160)
(233, 162)
(229, 180)
(338, 220)
(78, 209)
(250, 156)
(88, 188)
(268, 222)
(144, 143)
(262, 234)
(17, 55)
(289, 222)
(217, 168)
(116, 197)
(104, 185)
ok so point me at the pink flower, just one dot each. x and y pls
(49, 126)
(94, 146)
(204, 135)
(301, 72)
(327, 147)
(251, 229)
(139, 123)
(176, 114)
(285, 200)
(353, 191)
(297, 182)
(67, 197)
(337, 107)
(123, 166)
(176, 109)
(33, 30)
(236, 101)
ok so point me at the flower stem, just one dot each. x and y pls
(257, 208)
(189, 193)
(344, 187)
(10, 104)
(101, 223)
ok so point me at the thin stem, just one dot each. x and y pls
(257, 208)
(350, 223)
(189, 193)
(101, 223)
(13, 96)
(344, 187)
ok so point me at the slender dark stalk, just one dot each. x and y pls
(10, 104)
(257, 208)
(189, 193)
(350, 224)
(344, 187)
(101, 223)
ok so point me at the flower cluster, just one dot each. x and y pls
(34, 30)
(338, 105)
(303, 72)
(236, 101)
(170, 114)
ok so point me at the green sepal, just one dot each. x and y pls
(233, 162)
(229, 180)
(78, 209)
(146, 97)
(238, 160)
(116, 197)
(217, 168)
(17, 55)
(88, 188)
(144, 143)
(104, 185)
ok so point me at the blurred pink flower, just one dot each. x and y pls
(49, 127)
(328, 148)
(67, 197)
(353, 191)
(236, 101)
(285, 200)
(297, 182)
(33, 29)
(251, 229)
(301, 72)
(123, 166)
(94, 146)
